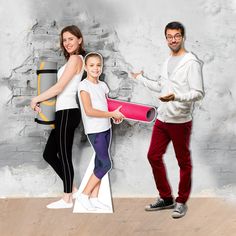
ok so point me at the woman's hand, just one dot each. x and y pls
(135, 75)
(35, 105)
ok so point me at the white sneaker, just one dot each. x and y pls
(179, 210)
(97, 204)
(59, 205)
(75, 194)
(85, 202)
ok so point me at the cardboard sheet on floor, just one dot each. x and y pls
(104, 192)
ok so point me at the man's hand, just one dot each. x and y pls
(135, 75)
(167, 98)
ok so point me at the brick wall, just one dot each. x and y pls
(131, 40)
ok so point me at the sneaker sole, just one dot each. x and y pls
(178, 216)
(160, 208)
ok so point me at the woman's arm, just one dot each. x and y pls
(90, 111)
(74, 66)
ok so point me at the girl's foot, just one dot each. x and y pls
(85, 202)
(97, 204)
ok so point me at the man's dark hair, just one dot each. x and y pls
(175, 25)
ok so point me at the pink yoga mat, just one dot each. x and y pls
(133, 111)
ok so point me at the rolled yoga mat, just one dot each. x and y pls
(47, 77)
(133, 111)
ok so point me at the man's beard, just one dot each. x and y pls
(175, 50)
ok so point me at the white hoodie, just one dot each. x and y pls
(187, 85)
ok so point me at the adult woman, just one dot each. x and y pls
(58, 150)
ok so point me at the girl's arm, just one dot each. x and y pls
(74, 66)
(90, 111)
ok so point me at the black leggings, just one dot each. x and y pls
(58, 150)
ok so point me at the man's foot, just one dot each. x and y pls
(61, 204)
(160, 204)
(179, 210)
(97, 204)
(85, 202)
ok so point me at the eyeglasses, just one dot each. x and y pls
(176, 37)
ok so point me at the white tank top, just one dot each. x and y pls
(67, 98)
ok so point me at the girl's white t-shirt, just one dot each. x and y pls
(97, 94)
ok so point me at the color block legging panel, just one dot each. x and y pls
(101, 145)
(58, 150)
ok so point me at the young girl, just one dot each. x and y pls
(58, 150)
(96, 119)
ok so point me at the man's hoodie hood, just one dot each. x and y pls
(188, 57)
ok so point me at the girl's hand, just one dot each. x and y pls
(35, 105)
(135, 75)
(117, 115)
(117, 121)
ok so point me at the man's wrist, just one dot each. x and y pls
(140, 76)
(176, 98)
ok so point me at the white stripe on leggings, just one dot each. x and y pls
(62, 158)
(66, 148)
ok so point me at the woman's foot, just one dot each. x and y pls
(61, 204)
(75, 192)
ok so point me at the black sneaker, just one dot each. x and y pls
(161, 204)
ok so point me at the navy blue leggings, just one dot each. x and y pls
(101, 144)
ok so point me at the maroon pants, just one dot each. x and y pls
(179, 134)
